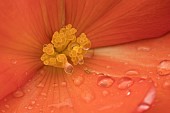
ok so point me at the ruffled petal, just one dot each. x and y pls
(52, 91)
(148, 58)
(25, 26)
(109, 22)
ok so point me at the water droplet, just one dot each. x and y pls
(6, 105)
(87, 47)
(108, 67)
(88, 71)
(55, 85)
(148, 100)
(125, 83)
(105, 93)
(14, 61)
(44, 94)
(132, 73)
(40, 85)
(87, 96)
(33, 102)
(18, 94)
(68, 68)
(128, 93)
(28, 90)
(78, 80)
(105, 81)
(143, 48)
(64, 84)
(89, 54)
(164, 67)
(166, 84)
(81, 62)
(142, 107)
(29, 107)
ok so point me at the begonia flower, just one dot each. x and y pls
(77, 56)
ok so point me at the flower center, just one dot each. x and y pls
(65, 47)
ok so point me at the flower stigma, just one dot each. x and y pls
(65, 47)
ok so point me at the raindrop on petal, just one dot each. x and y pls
(29, 107)
(166, 84)
(33, 102)
(44, 94)
(87, 96)
(164, 67)
(105, 81)
(14, 61)
(105, 93)
(125, 83)
(148, 100)
(40, 85)
(143, 48)
(132, 73)
(18, 94)
(128, 93)
(142, 107)
(68, 68)
(7, 106)
(64, 84)
(78, 80)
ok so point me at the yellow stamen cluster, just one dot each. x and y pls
(64, 47)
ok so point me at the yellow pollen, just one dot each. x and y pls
(65, 47)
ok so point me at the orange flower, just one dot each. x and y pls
(119, 79)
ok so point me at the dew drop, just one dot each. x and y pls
(87, 96)
(125, 83)
(33, 102)
(78, 80)
(143, 48)
(68, 68)
(168, 55)
(43, 94)
(166, 84)
(105, 81)
(128, 93)
(108, 67)
(40, 85)
(7, 106)
(148, 100)
(29, 107)
(14, 61)
(18, 94)
(132, 73)
(28, 90)
(55, 85)
(143, 107)
(81, 62)
(105, 93)
(64, 84)
(164, 68)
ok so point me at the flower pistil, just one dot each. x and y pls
(66, 47)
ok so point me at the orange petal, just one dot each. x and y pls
(51, 91)
(25, 27)
(148, 58)
(109, 22)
